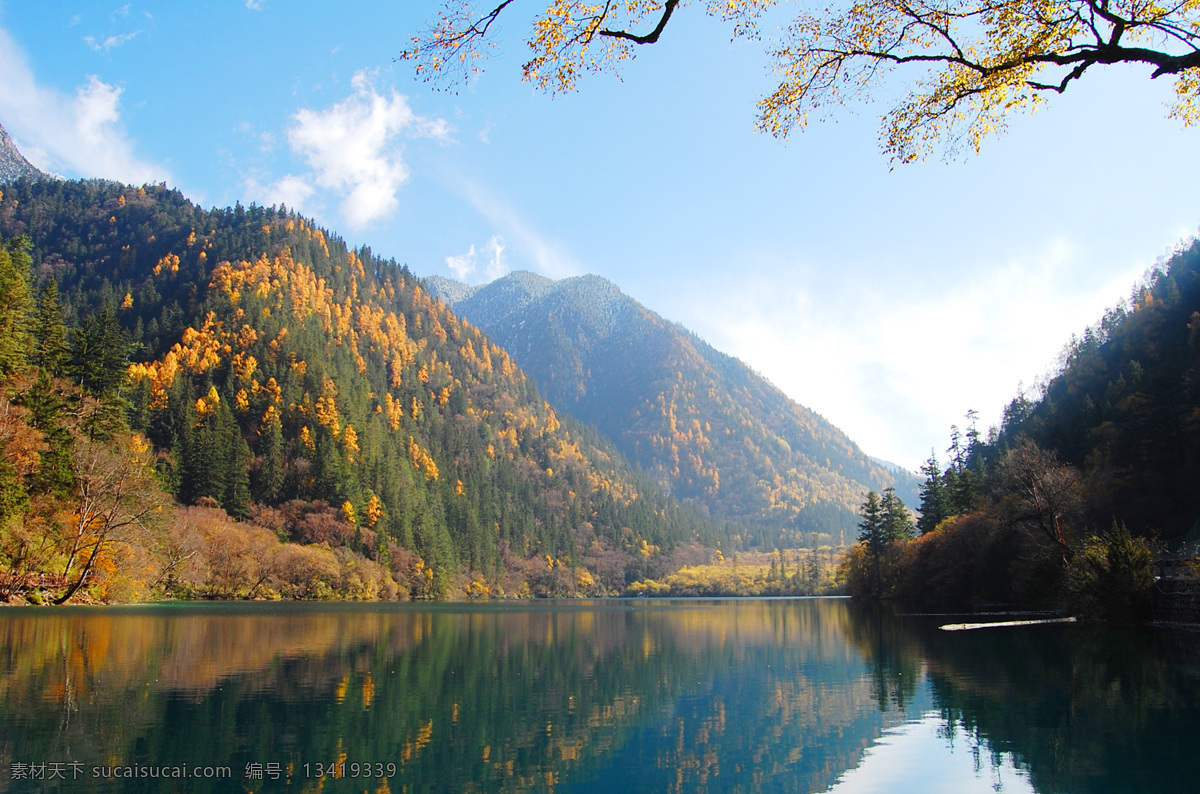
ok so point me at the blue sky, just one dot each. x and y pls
(890, 301)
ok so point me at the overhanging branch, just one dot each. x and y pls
(650, 37)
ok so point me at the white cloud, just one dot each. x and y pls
(111, 42)
(78, 135)
(545, 256)
(896, 364)
(900, 760)
(463, 265)
(496, 266)
(353, 148)
(255, 5)
(291, 190)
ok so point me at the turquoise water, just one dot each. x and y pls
(790, 695)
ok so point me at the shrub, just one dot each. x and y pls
(1111, 576)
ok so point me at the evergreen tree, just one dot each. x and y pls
(16, 306)
(236, 499)
(50, 348)
(962, 484)
(268, 482)
(897, 523)
(933, 497)
(99, 353)
(872, 529)
(47, 414)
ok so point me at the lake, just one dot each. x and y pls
(788, 695)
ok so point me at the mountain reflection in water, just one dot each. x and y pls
(804, 695)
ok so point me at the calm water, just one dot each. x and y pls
(757, 695)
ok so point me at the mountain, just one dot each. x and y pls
(1124, 406)
(13, 165)
(706, 427)
(320, 390)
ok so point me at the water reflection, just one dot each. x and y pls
(760, 695)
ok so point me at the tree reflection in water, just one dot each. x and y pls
(755, 695)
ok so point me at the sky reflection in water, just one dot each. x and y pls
(778, 695)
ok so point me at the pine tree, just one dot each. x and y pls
(871, 532)
(99, 353)
(268, 482)
(47, 414)
(898, 524)
(50, 348)
(933, 497)
(236, 499)
(16, 306)
(962, 484)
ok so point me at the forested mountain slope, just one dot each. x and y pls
(1124, 405)
(273, 367)
(708, 428)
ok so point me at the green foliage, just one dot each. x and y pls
(50, 348)
(884, 528)
(1122, 405)
(99, 353)
(271, 364)
(934, 507)
(725, 439)
(1111, 576)
(16, 305)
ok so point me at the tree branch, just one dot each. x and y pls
(652, 36)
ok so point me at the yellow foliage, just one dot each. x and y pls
(983, 60)
(326, 408)
(422, 460)
(207, 402)
(350, 443)
(394, 411)
(170, 263)
(373, 511)
(476, 588)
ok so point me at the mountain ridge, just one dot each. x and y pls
(294, 380)
(13, 165)
(706, 426)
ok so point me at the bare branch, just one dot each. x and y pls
(652, 36)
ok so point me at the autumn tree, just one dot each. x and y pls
(20, 459)
(116, 500)
(1036, 491)
(976, 62)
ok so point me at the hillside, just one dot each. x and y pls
(705, 426)
(1124, 406)
(321, 391)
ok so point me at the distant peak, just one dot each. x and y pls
(447, 290)
(13, 165)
